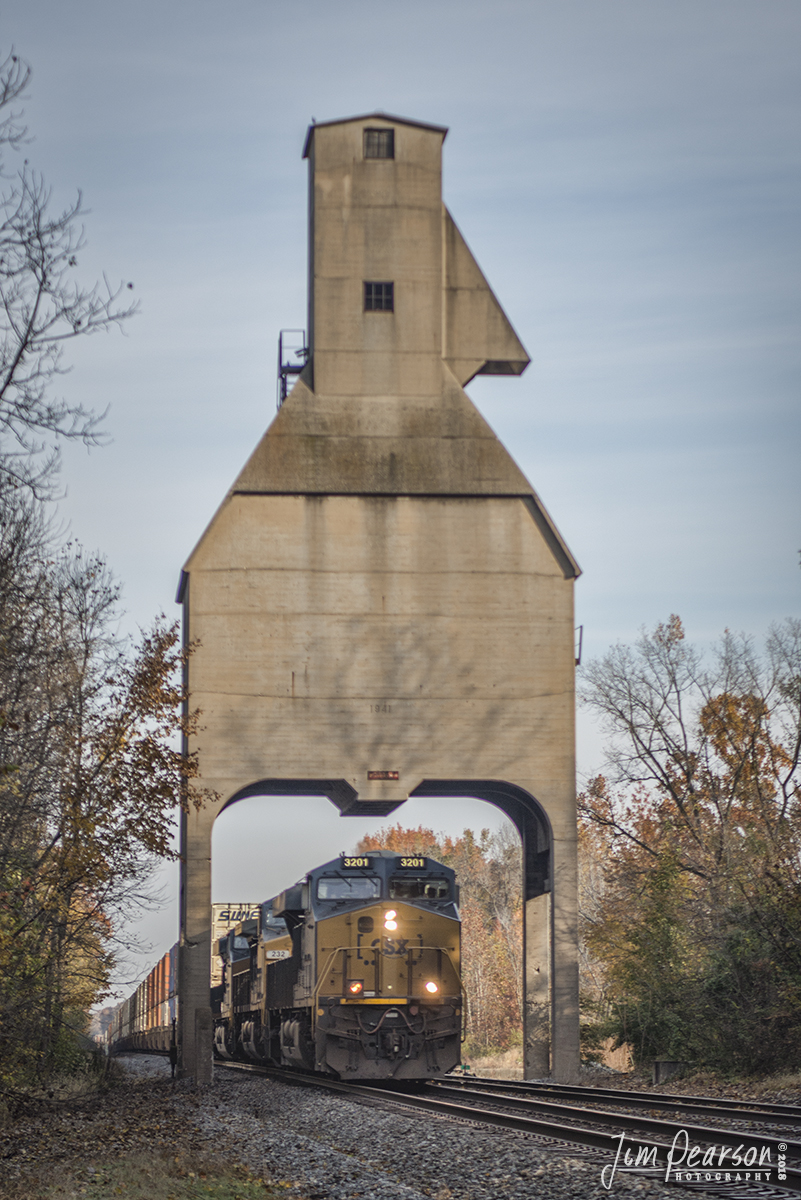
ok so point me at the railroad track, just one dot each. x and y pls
(733, 1110)
(696, 1157)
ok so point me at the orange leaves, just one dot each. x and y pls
(671, 633)
(705, 758)
(403, 841)
(100, 778)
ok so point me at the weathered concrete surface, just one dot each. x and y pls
(381, 589)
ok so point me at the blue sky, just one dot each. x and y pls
(627, 175)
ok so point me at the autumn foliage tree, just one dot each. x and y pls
(695, 929)
(91, 768)
(91, 772)
(489, 872)
(91, 778)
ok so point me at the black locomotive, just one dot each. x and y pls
(353, 972)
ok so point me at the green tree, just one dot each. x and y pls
(751, 990)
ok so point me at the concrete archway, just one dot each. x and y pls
(548, 975)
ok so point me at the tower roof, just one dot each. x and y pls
(373, 116)
(401, 317)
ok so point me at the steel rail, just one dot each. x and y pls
(733, 1110)
(634, 1123)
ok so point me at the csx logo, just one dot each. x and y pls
(394, 948)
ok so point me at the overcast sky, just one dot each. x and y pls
(627, 175)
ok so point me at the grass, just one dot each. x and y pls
(137, 1177)
(783, 1088)
(503, 1064)
(751, 1087)
(60, 1088)
(784, 1082)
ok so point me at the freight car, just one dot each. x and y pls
(146, 1020)
(353, 972)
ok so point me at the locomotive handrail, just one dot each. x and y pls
(463, 1023)
(321, 976)
(347, 949)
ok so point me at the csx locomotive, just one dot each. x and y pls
(353, 972)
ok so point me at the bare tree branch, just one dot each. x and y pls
(42, 308)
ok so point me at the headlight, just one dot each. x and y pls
(389, 919)
(355, 987)
(432, 987)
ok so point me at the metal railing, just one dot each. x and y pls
(292, 355)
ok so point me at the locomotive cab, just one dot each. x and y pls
(388, 994)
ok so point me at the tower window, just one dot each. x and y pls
(379, 297)
(379, 143)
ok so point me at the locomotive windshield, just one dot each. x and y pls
(239, 947)
(344, 887)
(272, 927)
(405, 887)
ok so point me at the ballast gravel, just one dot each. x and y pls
(326, 1147)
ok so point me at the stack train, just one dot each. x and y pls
(353, 972)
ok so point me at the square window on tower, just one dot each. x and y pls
(379, 143)
(379, 297)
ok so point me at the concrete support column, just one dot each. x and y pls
(565, 1048)
(194, 1010)
(537, 1001)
